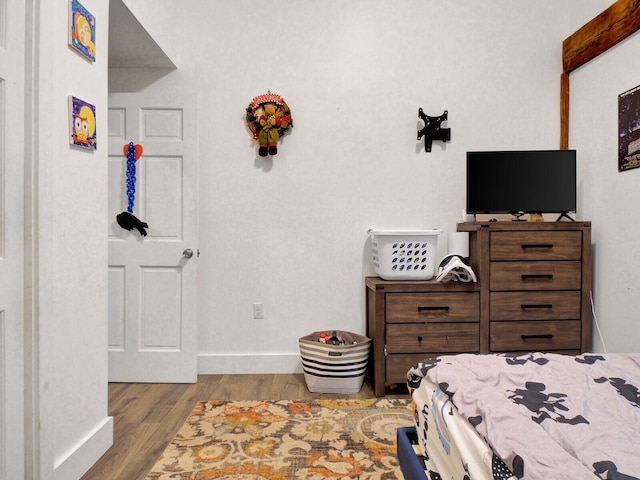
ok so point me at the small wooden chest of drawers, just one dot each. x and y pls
(411, 321)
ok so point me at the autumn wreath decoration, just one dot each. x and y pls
(268, 118)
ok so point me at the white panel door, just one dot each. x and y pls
(152, 278)
(12, 15)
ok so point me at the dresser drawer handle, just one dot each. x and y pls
(428, 309)
(419, 339)
(542, 305)
(542, 335)
(534, 276)
(537, 245)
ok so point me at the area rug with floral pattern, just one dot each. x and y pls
(285, 439)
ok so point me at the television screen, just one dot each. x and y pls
(536, 181)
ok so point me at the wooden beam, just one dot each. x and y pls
(600, 34)
(564, 111)
(606, 30)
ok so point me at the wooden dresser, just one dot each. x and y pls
(532, 294)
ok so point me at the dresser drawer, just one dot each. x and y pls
(535, 336)
(433, 337)
(433, 307)
(535, 305)
(544, 275)
(399, 364)
(541, 245)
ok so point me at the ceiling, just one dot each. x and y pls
(130, 45)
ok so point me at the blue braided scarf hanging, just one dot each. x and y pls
(131, 177)
(128, 220)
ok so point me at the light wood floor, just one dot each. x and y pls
(147, 416)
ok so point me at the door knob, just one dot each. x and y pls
(188, 253)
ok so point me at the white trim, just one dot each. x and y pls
(31, 314)
(234, 363)
(76, 462)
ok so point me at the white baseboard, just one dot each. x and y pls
(219, 364)
(75, 463)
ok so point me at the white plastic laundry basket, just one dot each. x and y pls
(404, 255)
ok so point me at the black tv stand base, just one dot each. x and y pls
(564, 215)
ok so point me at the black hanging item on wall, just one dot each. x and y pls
(128, 220)
(432, 129)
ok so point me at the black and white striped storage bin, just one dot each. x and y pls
(334, 368)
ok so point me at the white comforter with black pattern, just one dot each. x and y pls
(548, 416)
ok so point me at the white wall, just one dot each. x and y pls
(610, 198)
(290, 231)
(71, 255)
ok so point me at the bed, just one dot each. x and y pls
(534, 416)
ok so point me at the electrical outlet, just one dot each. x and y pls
(258, 310)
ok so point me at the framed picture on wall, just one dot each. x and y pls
(82, 123)
(82, 30)
(629, 129)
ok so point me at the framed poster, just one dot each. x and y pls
(82, 123)
(82, 30)
(629, 129)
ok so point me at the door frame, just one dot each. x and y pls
(30, 296)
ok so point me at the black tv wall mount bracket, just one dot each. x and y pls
(432, 129)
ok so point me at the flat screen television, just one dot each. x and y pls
(518, 182)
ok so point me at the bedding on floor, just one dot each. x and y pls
(547, 416)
